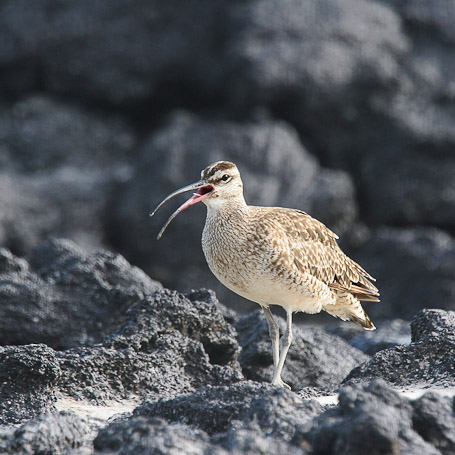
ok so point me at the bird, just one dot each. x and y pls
(275, 256)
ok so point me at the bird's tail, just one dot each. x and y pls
(348, 307)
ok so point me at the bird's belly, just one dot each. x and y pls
(267, 290)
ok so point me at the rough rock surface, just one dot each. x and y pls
(315, 359)
(141, 436)
(276, 170)
(370, 418)
(427, 360)
(278, 412)
(64, 296)
(49, 433)
(166, 345)
(28, 375)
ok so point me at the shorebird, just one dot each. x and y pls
(275, 256)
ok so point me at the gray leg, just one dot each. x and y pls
(287, 340)
(274, 332)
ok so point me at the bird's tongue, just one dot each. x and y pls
(202, 193)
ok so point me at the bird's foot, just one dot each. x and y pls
(280, 383)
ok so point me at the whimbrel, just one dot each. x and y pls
(275, 256)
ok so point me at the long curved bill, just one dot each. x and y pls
(204, 190)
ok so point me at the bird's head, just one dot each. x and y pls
(220, 183)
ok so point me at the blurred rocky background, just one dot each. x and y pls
(342, 108)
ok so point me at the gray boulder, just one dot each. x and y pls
(142, 436)
(64, 296)
(315, 359)
(164, 346)
(434, 419)
(370, 418)
(49, 433)
(278, 412)
(428, 359)
(276, 170)
(110, 52)
(28, 378)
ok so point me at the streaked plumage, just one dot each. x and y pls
(276, 256)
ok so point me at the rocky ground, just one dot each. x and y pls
(146, 370)
(110, 342)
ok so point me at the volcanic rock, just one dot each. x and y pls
(427, 360)
(49, 433)
(165, 345)
(277, 411)
(28, 378)
(64, 296)
(370, 418)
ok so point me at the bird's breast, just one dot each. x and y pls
(225, 247)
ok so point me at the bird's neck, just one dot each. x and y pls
(217, 207)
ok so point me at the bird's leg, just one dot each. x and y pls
(287, 340)
(274, 332)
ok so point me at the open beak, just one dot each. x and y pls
(204, 190)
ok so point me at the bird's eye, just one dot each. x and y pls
(225, 178)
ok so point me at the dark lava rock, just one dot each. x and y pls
(111, 52)
(321, 64)
(141, 436)
(315, 358)
(277, 411)
(377, 75)
(370, 418)
(388, 334)
(60, 168)
(427, 360)
(434, 419)
(414, 270)
(49, 434)
(276, 170)
(64, 296)
(129, 344)
(28, 378)
(165, 345)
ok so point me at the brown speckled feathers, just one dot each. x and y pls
(302, 241)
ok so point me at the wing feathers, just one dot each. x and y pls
(315, 251)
